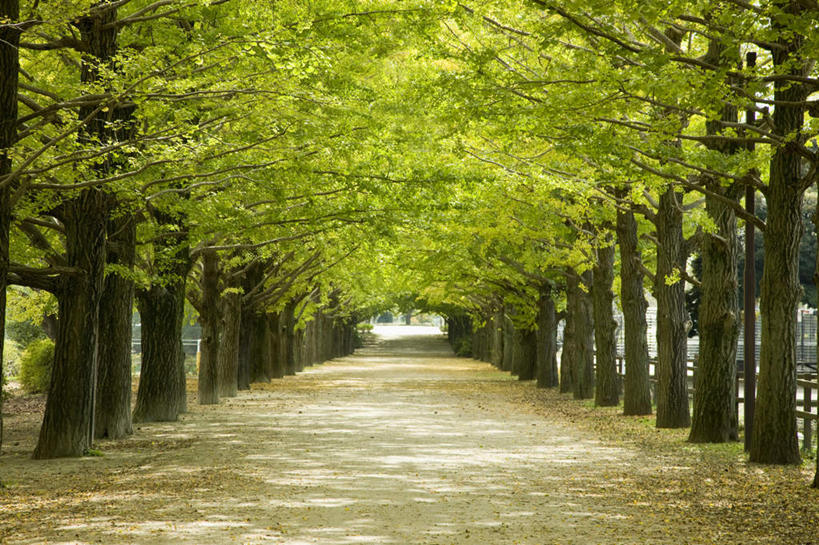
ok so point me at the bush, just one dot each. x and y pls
(35, 366)
(364, 327)
(11, 359)
(24, 332)
(358, 339)
(464, 347)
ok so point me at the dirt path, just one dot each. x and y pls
(398, 444)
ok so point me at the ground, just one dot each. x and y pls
(401, 443)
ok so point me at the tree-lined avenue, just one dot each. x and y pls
(401, 443)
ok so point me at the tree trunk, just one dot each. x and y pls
(5, 224)
(816, 334)
(715, 409)
(298, 341)
(508, 360)
(547, 341)
(672, 330)
(68, 423)
(275, 347)
(496, 356)
(161, 311)
(162, 395)
(211, 321)
(568, 352)
(525, 354)
(607, 390)
(581, 302)
(113, 408)
(255, 330)
(228, 371)
(774, 433)
(715, 416)
(9, 67)
(310, 340)
(251, 280)
(636, 386)
(774, 438)
(486, 339)
(244, 373)
(290, 338)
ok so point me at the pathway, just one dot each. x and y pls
(399, 444)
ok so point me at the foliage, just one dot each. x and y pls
(24, 332)
(12, 352)
(35, 366)
(464, 347)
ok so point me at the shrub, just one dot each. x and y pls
(24, 332)
(358, 339)
(464, 347)
(11, 359)
(35, 366)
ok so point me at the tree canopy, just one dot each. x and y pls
(295, 163)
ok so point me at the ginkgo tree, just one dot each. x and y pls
(292, 167)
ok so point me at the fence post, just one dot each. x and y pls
(807, 420)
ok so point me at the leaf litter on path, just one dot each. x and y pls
(401, 444)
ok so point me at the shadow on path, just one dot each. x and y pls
(401, 443)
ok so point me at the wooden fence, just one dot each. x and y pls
(807, 397)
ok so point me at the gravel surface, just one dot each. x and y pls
(401, 443)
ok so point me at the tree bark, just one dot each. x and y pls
(774, 433)
(275, 347)
(816, 282)
(68, 422)
(260, 356)
(774, 438)
(244, 373)
(228, 371)
(9, 67)
(113, 408)
(290, 338)
(496, 355)
(607, 383)
(715, 414)
(211, 320)
(672, 330)
(162, 393)
(547, 376)
(580, 300)
(568, 352)
(160, 396)
(299, 349)
(508, 360)
(715, 417)
(5, 225)
(525, 362)
(636, 386)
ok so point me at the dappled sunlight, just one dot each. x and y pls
(383, 447)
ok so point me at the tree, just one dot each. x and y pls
(9, 67)
(607, 382)
(636, 394)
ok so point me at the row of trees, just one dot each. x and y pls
(277, 163)
(219, 152)
(642, 128)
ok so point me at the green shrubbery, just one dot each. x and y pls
(35, 366)
(464, 347)
(11, 359)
